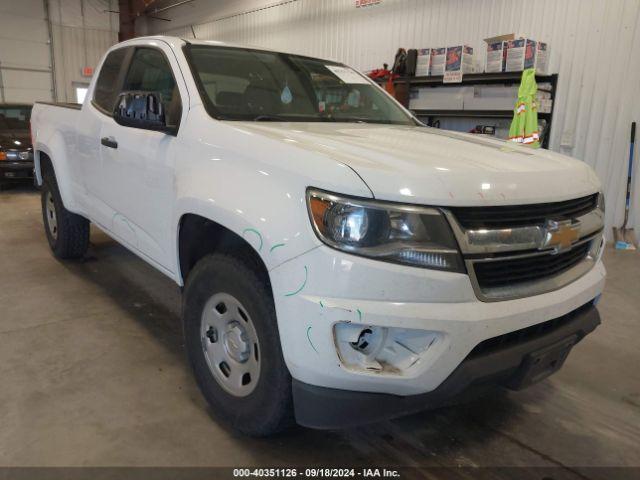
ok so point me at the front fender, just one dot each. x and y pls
(254, 185)
(277, 230)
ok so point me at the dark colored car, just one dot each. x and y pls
(16, 151)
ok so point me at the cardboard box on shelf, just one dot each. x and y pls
(514, 53)
(524, 53)
(543, 95)
(521, 53)
(446, 98)
(497, 52)
(495, 58)
(544, 105)
(459, 59)
(438, 57)
(424, 62)
(542, 58)
(490, 97)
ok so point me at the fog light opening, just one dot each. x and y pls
(388, 350)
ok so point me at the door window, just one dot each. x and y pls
(107, 83)
(150, 72)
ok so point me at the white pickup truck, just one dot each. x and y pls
(341, 262)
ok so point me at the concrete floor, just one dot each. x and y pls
(93, 373)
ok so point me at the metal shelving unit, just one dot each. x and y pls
(505, 78)
(471, 113)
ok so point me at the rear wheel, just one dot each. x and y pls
(233, 345)
(67, 233)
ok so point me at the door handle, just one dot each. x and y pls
(109, 142)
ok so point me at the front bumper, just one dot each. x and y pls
(10, 170)
(323, 288)
(506, 362)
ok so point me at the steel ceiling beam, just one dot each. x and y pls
(129, 11)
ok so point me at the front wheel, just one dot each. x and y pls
(67, 233)
(233, 346)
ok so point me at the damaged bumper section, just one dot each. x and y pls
(513, 360)
(355, 324)
(366, 340)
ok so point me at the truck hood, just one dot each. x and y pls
(430, 166)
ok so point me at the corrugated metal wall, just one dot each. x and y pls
(82, 31)
(74, 49)
(595, 48)
(25, 58)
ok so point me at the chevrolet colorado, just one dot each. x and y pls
(341, 262)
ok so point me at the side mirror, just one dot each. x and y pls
(142, 110)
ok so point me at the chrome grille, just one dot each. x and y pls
(521, 215)
(501, 273)
(518, 251)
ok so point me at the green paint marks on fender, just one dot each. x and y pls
(257, 233)
(321, 304)
(359, 315)
(306, 276)
(277, 245)
(310, 342)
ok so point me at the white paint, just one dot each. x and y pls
(593, 46)
(139, 193)
(389, 295)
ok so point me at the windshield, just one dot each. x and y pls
(15, 117)
(244, 84)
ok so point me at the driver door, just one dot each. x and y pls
(138, 164)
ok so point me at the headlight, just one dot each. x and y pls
(601, 201)
(410, 235)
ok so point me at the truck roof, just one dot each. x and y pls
(217, 43)
(193, 41)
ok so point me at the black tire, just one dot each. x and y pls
(268, 409)
(70, 237)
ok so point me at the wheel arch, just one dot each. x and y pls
(199, 236)
(54, 156)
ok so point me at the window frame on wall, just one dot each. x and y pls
(77, 86)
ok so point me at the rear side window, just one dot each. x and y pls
(150, 72)
(107, 84)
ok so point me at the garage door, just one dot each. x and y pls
(25, 55)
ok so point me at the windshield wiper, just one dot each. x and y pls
(269, 118)
(361, 120)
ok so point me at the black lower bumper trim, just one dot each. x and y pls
(16, 170)
(512, 367)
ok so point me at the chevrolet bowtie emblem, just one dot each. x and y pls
(561, 235)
